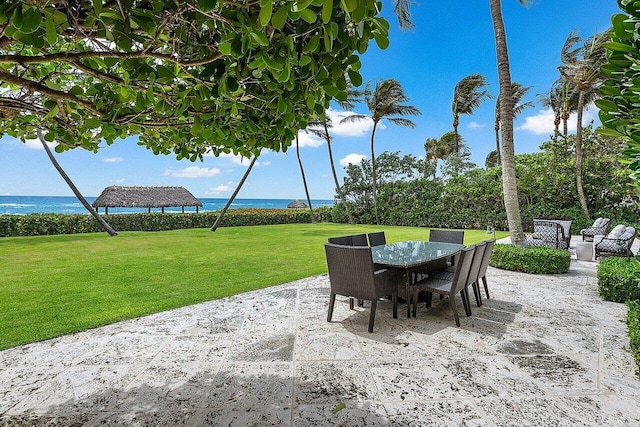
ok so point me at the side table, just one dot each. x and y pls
(584, 251)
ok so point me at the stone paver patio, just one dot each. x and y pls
(543, 351)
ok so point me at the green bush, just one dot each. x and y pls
(530, 259)
(633, 323)
(618, 279)
(48, 224)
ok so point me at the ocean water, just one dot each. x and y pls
(24, 205)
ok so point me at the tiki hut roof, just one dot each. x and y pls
(297, 204)
(145, 197)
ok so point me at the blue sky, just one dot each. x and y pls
(452, 39)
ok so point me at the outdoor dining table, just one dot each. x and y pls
(410, 255)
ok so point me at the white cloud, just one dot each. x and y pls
(193, 172)
(358, 128)
(222, 188)
(542, 122)
(242, 161)
(307, 139)
(475, 126)
(112, 159)
(353, 158)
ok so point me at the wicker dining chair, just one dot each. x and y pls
(377, 239)
(450, 286)
(351, 240)
(485, 264)
(352, 274)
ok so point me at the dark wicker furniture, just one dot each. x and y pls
(600, 227)
(352, 274)
(617, 243)
(548, 233)
(377, 239)
(451, 285)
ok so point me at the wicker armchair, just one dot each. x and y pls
(548, 233)
(600, 227)
(352, 274)
(617, 243)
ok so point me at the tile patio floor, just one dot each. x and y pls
(543, 351)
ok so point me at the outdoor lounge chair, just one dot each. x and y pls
(548, 233)
(617, 243)
(352, 274)
(599, 227)
(451, 286)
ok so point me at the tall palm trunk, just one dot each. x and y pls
(335, 175)
(373, 175)
(497, 130)
(509, 186)
(218, 221)
(304, 179)
(581, 197)
(75, 190)
(456, 141)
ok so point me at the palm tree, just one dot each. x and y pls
(75, 190)
(439, 148)
(384, 102)
(304, 179)
(509, 186)
(320, 128)
(581, 65)
(468, 94)
(518, 92)
(553, 100)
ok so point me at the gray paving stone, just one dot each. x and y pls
(542, 351)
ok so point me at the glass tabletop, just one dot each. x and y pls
(412, 253)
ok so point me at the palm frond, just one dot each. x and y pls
(401, 9)
(354, 118)
(399, 121)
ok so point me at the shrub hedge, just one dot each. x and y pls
(530, 259)
(618, 279)
(633, 323)
(46, 224)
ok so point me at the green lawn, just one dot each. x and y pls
(54, 285)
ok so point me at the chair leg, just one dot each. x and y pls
(486, 288)
(360, 303)
(415, 300)
(394, 298)
(372, 316)
(351, 303)
(332, 301)
(466, 302)
(476, 293)
(452, 301)
(429, 299)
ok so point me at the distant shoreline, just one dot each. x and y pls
(25, 205)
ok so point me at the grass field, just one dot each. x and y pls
(54, 285)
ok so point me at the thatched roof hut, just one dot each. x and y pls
(297, 204)
(145, 197)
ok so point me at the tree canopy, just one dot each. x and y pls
(619, 111)
(187, 76)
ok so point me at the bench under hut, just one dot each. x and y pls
(145, 197)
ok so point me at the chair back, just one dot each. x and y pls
(446, 236)
(377, 239)
(463, 267)
(476, 263)
(359, 240)
(487, 256)
(351, 271)
(351, 240)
